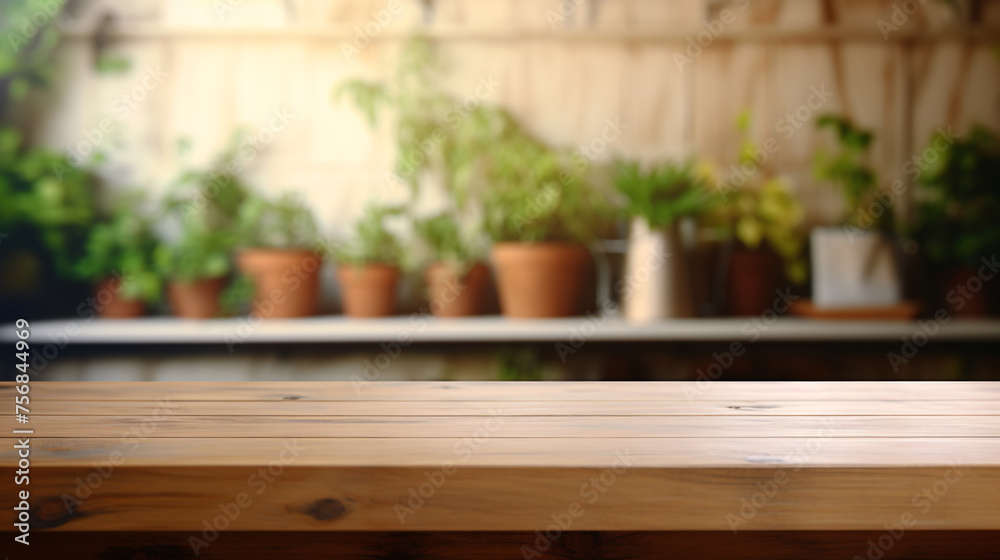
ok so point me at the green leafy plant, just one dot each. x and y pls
(198, 254)
(763, 212)
(46, 212)
(422, 110)
(26, 59)
(211, 197)
(769, 215)
(281, 223)
(446, 241)
(205, 205)
(235, 299)
(536, 192)
(957, 216)
(527, 190)
(664, 193)
(372, 242)
(123, 245)
(849, 168)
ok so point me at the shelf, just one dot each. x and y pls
(420, 329)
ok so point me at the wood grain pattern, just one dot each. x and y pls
(293, 498)
(664, 453)
(449, 456)
(498, 425)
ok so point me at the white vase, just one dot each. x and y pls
(851, 268)
(657, 281)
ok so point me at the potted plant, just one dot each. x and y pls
(657, 275)
(531, 198)
(118, 258)
(767, 227)
(957, 219)
(854, 266)
(763, 223)
(204, 206)
(432, 146)
(457, 279)
(278, 239)
(197, 267)
(368, 266)
(46, 213)
(541, 212)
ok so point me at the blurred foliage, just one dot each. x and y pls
(766, 212)
(520, 363)
(198, 254)
(25, 60)
(205, 204)
(535, 192)
(480, 154)
(446, 241)
(850, 168)
(236, 298)
(46, 201)
(285, 222)
(957, 216)
(664, 193)
(419, 107)
(770, 214)
(372, 241)
(210, 197)
(124, 245)
(47, 209)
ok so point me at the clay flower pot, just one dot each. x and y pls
(112, 305)
(454, 292)
(286, 281)
(751, 281)
(540, 279)
(368, 290)
(197, 299)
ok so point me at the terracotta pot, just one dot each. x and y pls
(456, 293)
(286, 281)
(197, 299)
(540, 279)
(111, 305)
(751, 281)
(368, 290)
(966, 295)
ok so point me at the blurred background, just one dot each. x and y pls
(821, 174)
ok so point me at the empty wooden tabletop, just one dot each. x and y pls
(510, 456)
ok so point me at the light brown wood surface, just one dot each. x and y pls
(510, 456)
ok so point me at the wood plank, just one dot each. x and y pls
(574, 545)
(296, 498)
(512, 391)
(513, 452)
(499, 425)
(519, 408)
(487, 470)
